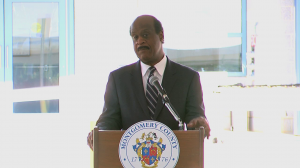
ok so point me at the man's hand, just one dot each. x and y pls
(198, 122)
(90, 140)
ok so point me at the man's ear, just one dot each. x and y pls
(161, 36)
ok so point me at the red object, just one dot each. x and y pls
(253, 42)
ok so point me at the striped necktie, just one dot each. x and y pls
(151, 94)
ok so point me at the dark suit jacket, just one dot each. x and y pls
(125, 102)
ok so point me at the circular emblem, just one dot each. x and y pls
(149, 144)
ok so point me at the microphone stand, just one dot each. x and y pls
(167, 103)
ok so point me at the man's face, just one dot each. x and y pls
(147, 44)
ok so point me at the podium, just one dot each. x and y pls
(106, 146)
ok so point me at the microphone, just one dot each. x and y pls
(154, 82)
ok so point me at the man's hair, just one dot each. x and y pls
(157, 26)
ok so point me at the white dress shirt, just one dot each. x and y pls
(159, 73)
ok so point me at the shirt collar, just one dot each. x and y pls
(160, 66)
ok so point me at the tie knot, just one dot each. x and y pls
(152, 69)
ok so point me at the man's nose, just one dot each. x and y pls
(140, 40)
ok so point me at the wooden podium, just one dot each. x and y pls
(106, 146)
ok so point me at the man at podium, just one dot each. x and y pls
(130, 98)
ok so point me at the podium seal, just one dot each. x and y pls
(149, 144)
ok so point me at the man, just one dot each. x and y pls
(127, 98)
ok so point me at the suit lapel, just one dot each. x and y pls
(137, 83)
(168, 82)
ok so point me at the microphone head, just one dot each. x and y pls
(152, 79)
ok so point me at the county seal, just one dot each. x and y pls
(149, 144)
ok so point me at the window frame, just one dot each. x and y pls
(2, 47)
(66, 62)
(243, 35)
(297, 39)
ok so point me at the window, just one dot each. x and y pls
(212, 37)
(206, 35)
